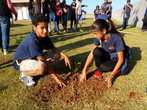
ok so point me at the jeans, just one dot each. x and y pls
(4, 32)
(53, 18)
(73, 21)
(64, 21)
(125, 22)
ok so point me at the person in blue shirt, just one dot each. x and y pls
(128, 7)
(108, 52)
(29, 57)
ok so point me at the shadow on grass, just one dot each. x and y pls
(70, 35)
(6, 64)
(17, 25)
(135, 56)
(18, 40)
(77, 44)
(3, 87)
(77, 63)
(19, 34)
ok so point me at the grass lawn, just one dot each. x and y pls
(129, 92)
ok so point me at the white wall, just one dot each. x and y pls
(22, 13)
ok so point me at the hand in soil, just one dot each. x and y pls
(82, 78)
(58, 80)
(109, 82)
(67, 61)
(61, 84)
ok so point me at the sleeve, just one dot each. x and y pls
(119, 44)
(34, 49)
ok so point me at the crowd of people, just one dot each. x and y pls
(58, 12)
(105, 12)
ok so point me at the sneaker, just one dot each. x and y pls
(27, 80)
(97, 74)
(5, 51)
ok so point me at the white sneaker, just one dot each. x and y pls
(27, 80)
(5, 51)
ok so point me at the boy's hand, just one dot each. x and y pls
(58, 80)
(67, 61)
(61, 83)
(50, 60)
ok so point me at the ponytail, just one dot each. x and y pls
(100, 25)
(112, 28)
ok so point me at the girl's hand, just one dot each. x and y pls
(82, 77)
(109, 81)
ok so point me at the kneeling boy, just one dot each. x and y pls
(29, 58)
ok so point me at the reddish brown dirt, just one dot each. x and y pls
(134, 95)
(49, 91)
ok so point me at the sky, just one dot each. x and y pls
(116, 4)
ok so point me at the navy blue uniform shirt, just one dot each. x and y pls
(31, 47)
(113, 45)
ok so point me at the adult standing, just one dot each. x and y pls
(58, 13)
(78, 11)
(126, 13)
(6, 10)
(107, 8)
(97, 11)
(31, 9)
(52, 15)
(73, 16)
(64, 14)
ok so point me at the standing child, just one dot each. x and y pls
(29, 58)
(109, 52)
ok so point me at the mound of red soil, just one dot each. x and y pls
(73, 92)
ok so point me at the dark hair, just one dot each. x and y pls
(39, 18)
(128, 1)
(100, 25)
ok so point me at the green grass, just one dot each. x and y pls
(15, 96)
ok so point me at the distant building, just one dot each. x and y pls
(22, 8)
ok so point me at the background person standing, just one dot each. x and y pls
(126, 13)
(107, 8)
(6, 10)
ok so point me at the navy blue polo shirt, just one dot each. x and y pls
(102, 16)
(113, 45)
(31, 47)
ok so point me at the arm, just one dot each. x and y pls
(116, 69)
(60, 82)
(59, 54)
(88, 62)
(120, 61)
(11, 7)
(130, 6)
